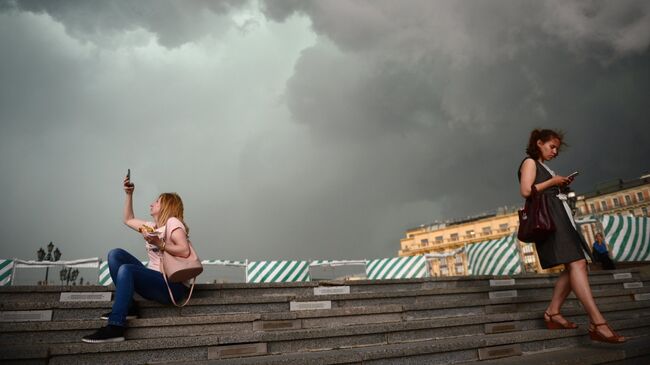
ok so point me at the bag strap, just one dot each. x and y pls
(162, 271)
(171, 296)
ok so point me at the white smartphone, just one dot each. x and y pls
(573, 174)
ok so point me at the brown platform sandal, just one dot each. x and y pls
(597, 336)
(550, 324)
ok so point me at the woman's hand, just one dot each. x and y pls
(128, 186)
(561, 180)
(152, 239)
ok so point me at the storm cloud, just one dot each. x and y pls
(304, 129)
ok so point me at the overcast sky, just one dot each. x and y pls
(300, 129)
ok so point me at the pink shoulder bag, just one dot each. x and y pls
(178, 269)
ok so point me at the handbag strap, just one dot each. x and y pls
(171, 296)
(162, 271)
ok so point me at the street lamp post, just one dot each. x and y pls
(51, 254)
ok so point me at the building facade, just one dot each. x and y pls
(630, 197)
(446, 240)
(443, 241)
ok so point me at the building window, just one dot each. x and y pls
(487, 231)
(424, 242)
(593, 207)
(616, 202)
(628, 200)
(603, 205)
(439, 239)
(645, 211)
(503, 227)
(444, 270)
(470, 233)
(639, 196)
(454, 236)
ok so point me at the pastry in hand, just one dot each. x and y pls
(146, 229)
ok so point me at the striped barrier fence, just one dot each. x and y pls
(408, 267)
(495, 257)
(225, 263)
(628, 237)
(6, 271)
(333, 263)
(277, 271)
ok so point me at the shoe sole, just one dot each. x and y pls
(115, 339)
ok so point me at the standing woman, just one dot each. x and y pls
(130, 275)
(564, 246)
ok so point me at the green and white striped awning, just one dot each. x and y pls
(277, 271)
(408, 267)
(628, 237)
(495, 257)
(6, 268)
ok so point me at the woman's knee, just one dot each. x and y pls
(115, 254)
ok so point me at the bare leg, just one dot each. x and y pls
(560, 292)
(580, 286)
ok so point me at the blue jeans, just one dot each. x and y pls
(129, 276)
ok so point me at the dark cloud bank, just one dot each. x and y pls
(406, 113)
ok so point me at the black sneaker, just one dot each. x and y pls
(133, 314)
(109, 333)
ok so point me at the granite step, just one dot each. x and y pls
(72, 331)
(380, 349)
(633, 352)
(416, 307)
(305, 289)
(280, 303)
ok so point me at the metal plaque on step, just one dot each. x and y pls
(86, 297)
(622, 275)
(331, 290)
(306, 306)
(634, 285)
(230, 351)
(292, 324)
(26, 316)
(496, 352)
(502, 294)
(644, 296)
(502, 282)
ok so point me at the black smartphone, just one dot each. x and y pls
(128, 174)
(573, 174)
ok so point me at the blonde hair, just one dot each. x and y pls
(171, 205)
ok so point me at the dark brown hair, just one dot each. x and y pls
(544, 135)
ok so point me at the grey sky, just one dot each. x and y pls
(299, 129)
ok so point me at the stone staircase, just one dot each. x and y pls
(463, 320)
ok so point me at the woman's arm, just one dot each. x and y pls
(178, 245)
(528, 174)
(129, 217)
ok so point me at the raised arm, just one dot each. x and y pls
(528, 174)
(129, 218)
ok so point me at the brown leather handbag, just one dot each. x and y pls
(535, 222)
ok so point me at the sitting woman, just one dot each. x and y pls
(167, 233)
(601, 253)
